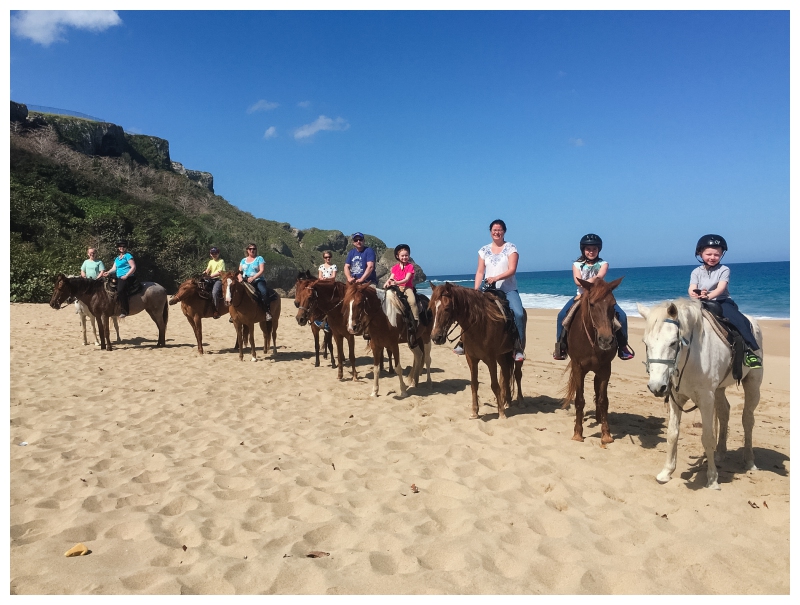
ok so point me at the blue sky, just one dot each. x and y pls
(649, 128)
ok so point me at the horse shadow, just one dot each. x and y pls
(732, 466)
(153, 343)
(541, 404)
(649, 429)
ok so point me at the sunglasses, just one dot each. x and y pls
(358, 239)
(252, 248)
(326, 257)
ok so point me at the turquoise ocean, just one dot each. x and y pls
(760, 289)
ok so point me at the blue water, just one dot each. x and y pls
(760, 289)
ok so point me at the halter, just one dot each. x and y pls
(672, 364)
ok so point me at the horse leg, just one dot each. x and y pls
(518, 379)
(580, 402)
(239, 327)
(315, 334)
(505, 361)
(416, 367)
(352, 344)
(197, 328)
(252, 331)
(327, 343)
(752, 394)
(398, 369)
(265, 330)
(473, 372)
(601, 403)
(427, 346)
(340, 352)
(104, 332)
(377, 360)
(706, 404)
(723, 413)
(673, 432)
(83, 328)
(116, 327)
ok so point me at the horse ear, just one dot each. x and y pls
(587, 285)
(433, 288)
(643, 311)
(615, 283)
(672, 310)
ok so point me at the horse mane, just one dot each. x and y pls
(367, 290)
(473, 306)
(687, 311)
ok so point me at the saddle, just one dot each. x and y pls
(256, 296)
(502, 301)
(425, 315)
(204, 286)
(712, 311)
(110, 285)
(574, 309)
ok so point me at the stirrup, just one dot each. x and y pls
(559, 354)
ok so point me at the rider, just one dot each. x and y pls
(359, 266)
(710, 282)
(402, 276)
(215, 266)
(497, 263)
(589, 267)
(252, 271)
(91, 267)
(124, 268)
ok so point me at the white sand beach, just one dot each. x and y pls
(188, 474)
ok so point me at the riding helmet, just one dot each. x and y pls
(122, 242)
(399, 247)
(590, 239)
(711, 240)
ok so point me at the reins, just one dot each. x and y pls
(672, 364)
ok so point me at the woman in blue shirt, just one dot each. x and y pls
(124, 268)
(252, 270)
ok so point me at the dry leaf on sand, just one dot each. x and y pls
(77, 551)
(414, 488)
(316, 554)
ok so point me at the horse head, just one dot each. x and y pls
(231, 288)
(442, 304)
(305, 298)
(61, 291)
(597, 310)
(359, 300)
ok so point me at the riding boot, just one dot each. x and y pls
(560, 352)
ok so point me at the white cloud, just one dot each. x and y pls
(321, 123)
(261, 105)
(304, 104)
(577, 142)
(270, 133)
(46, 27)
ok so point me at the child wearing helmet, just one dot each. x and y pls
(402, 276)
(710, 282)
(589, 267)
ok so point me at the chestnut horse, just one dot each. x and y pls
(324, 298)
(394, 311)
(195, 308)
(304, 280)
(592, 346)
(246, 313)
(92, 293)
(484, 336)
(362, 309)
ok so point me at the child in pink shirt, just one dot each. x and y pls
(402, 276)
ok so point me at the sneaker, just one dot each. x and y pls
(458, 349)
(318, 323)
(216, 315)
(626, 353)
(751, 360)
(519, 356)
(269, 317)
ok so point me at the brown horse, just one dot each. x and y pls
(484, 336)
(92, 293)
(324, 298)
(195, 308)
(362, 310)
(304, 280)
(422, 352)
(246, 313)
(592, 346)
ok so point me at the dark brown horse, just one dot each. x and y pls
(91, 292)
(362, 310)
(422, 351)
(246, 313)
(195, 308)
(485, 339)
(324, 297)
(303, 281)
(592, 346)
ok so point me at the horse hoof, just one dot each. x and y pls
(750, 466)
(253, 359)
(473, 416)
(663, 478)
(606, 439)
(373, 394)
(714, 486)
(577, 437)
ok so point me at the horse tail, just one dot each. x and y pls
(572, 386)
(175, 299)
(165, 315)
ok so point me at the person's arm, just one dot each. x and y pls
(576, 275)
(100, 268)
(692, 293)
(333, 274)
(132, 264)
(480, 272)
(83, 273)
(601, 273)
(370, 268)
(513, 258)
(319, 274)
(721, 286)
(408, 280)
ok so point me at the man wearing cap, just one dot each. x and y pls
(359, 266)
(215, 266)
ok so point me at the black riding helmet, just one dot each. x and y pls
(399, 247)
(710, 240)
(590, 239)
(122, 242)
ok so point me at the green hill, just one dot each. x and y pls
(77, 183)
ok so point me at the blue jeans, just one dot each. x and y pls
(731, 312)
(261, 286)
(216, 293)
(520, 319)
(622, 337)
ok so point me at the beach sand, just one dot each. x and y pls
(203, 474)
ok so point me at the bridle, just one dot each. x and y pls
(672, 364)
(314, 300)
(594, 326)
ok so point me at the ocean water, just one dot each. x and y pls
(760, 289)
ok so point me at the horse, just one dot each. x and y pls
(315, 298)
(485, 339)
(195, 308)
(304, 280)
(394, 311)
(83, 312)
(361, 308)
(686, 359)
(91, 292)
(592, 347)
(246, 312)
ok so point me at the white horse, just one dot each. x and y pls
(686, 359)
(83, 311)
(393, 309)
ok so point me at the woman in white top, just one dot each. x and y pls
(497, 264)
(326, 269)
